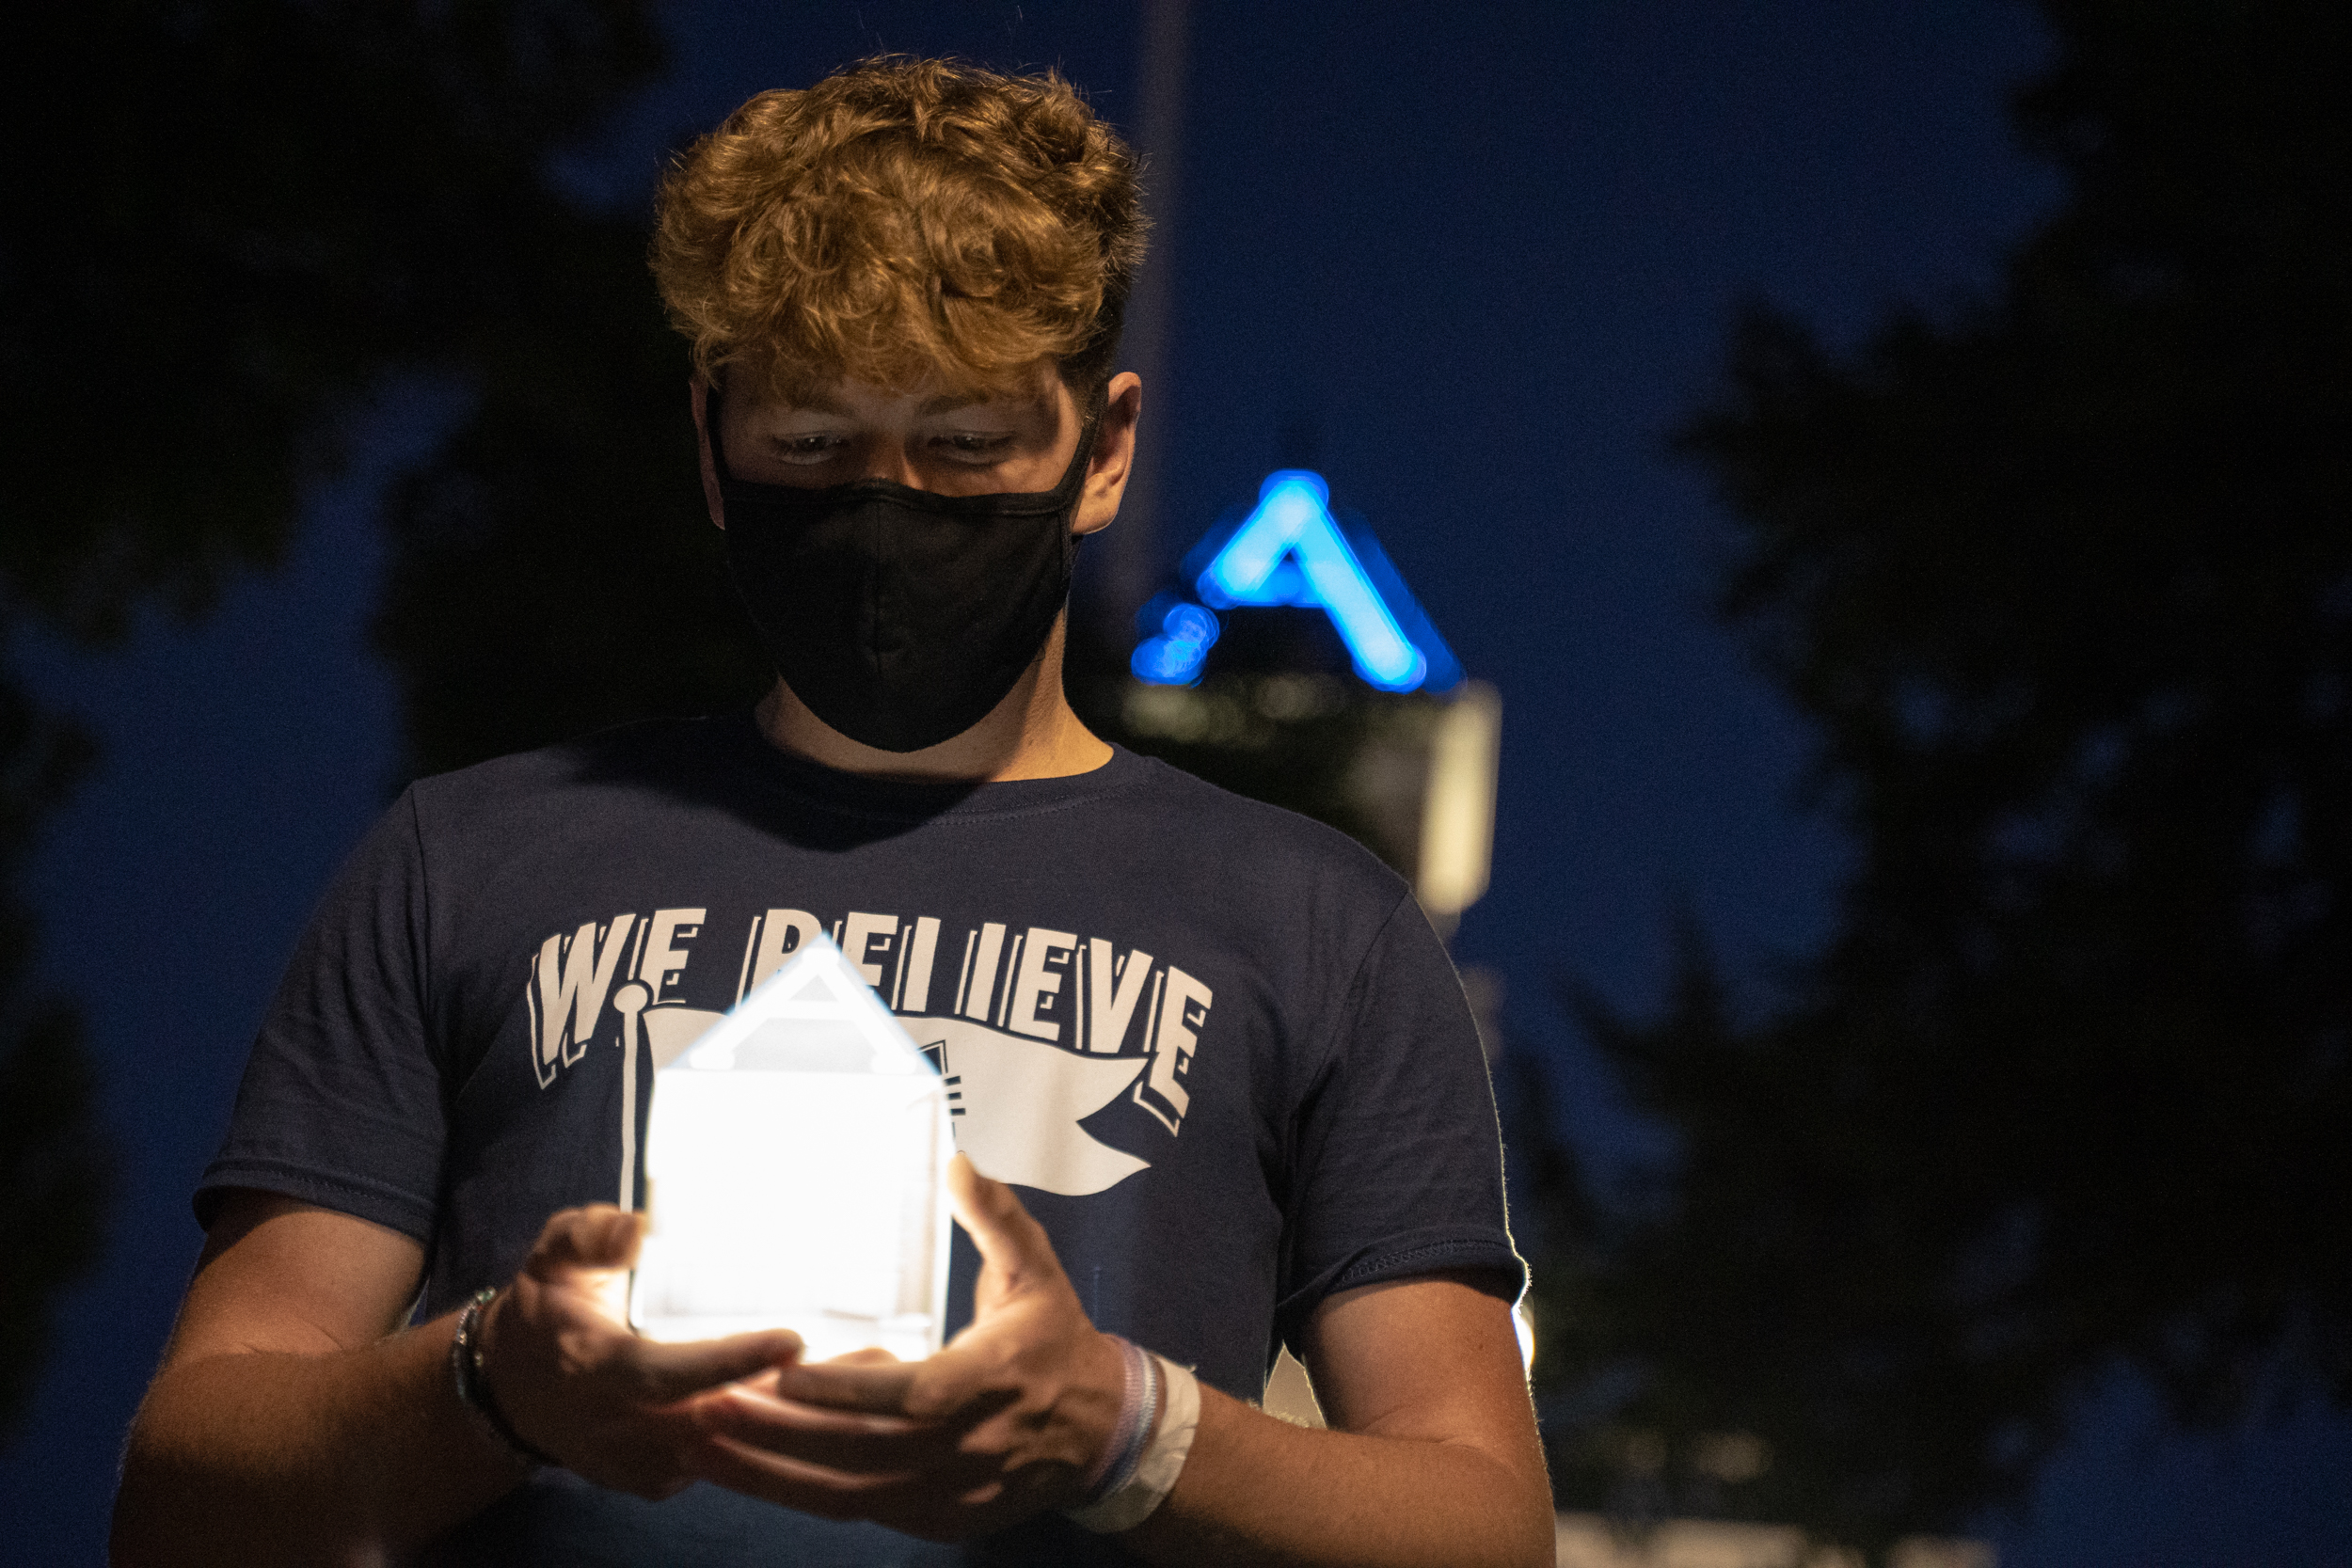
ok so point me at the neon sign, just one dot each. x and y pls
(1290, 550)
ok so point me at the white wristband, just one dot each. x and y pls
(1162, 1463)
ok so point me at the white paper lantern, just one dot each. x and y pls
(796, 1158)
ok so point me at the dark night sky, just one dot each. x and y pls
(1489, 253)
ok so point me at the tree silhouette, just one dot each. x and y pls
(2064, 590)
(225, 218)
(554, 571)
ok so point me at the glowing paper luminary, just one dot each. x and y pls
(795, 1161)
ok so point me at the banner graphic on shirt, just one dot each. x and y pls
(1035, 1029)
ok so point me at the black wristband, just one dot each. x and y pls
(473, 1389)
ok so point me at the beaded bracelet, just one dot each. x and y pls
(473, 1389)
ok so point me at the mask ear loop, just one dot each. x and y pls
(713, 421)
(1073, 478)
(1081, 463)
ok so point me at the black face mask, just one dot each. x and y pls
(899, 616)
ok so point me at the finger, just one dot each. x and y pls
(596, 1237)
(794, 1483)
(976, 1376)
(649, 1454)
(666, 1372)
(847, 1441)
(1007, 1237)
(875, 1388)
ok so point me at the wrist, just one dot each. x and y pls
(1138, 1414)
(1145, 1459)
(468, 1374)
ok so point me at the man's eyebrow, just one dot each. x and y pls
(948, 402)
(817, 403)
(1041, 401)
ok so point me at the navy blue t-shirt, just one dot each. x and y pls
(1216, 1047)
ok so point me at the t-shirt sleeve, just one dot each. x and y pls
(342, 1104)
(1399, 1156)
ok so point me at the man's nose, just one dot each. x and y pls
(890, 458)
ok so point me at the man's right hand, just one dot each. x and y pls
(296, 1419)
(576, 1384)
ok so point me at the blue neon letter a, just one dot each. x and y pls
(1290, 553)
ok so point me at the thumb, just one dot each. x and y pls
(596, 1237)
(1013, 1245)
(668, 1373)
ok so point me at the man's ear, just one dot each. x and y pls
(698, 393)
(1114, 454)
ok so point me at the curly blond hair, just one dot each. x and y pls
(901, 218)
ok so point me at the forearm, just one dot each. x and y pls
(1257, 1490)
(263, 1457)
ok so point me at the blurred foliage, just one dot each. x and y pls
(54, 1174)
(553, 570)
(226, 220)
(2064, 589)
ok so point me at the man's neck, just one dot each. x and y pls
(1033, 733)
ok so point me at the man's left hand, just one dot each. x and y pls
(1003, 1423)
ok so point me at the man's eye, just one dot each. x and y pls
(974, 447)
(807, 449)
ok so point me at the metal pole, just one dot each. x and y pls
(1134, 561)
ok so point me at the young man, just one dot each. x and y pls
(903, 287)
